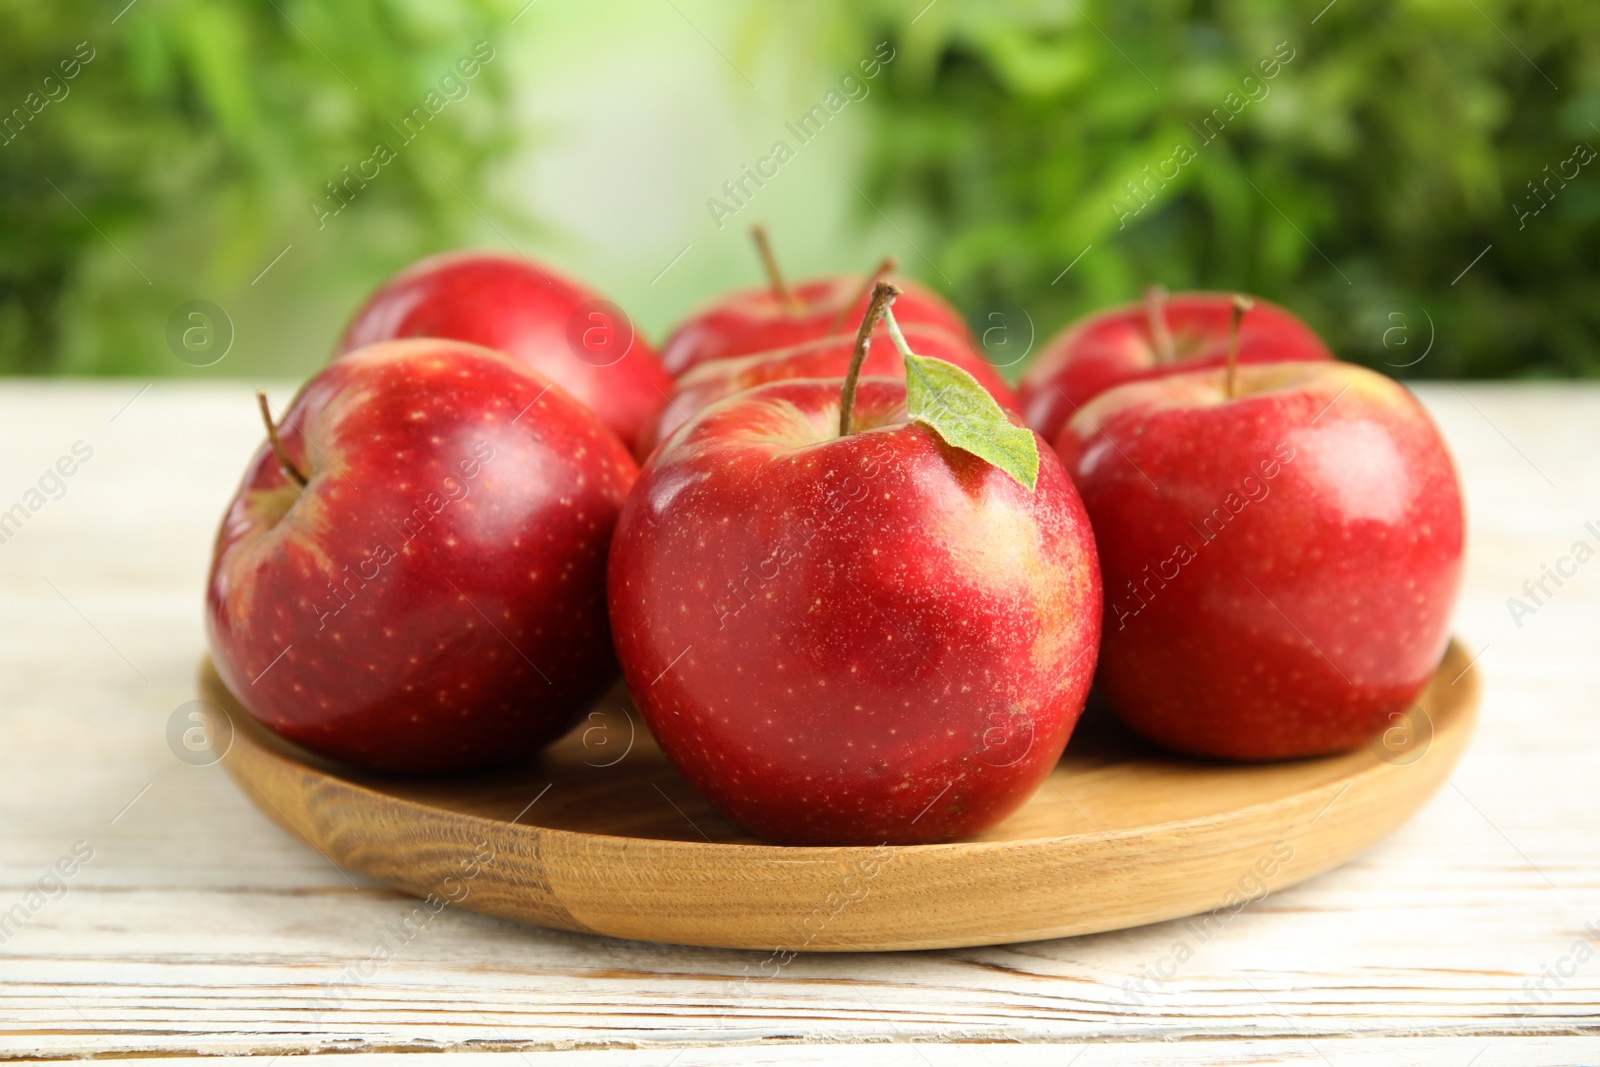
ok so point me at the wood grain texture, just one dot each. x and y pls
(1120, 834)
(199, 927)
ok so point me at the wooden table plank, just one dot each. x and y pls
(199, 927)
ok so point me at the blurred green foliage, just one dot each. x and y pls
(165, 151)
(1354, 186)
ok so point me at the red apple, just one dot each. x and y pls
(778, 316)
(845, 630)
(1280, 560)
(432, 597)
(533, 314)
(1161, 336)
(825, 357)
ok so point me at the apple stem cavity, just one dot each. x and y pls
(1155, 309)
(883, 295)
(885, 265)
(769, 263)
(277, 445)
(944, 398)
(1241, 304)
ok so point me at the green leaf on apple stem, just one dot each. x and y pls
(952, 403)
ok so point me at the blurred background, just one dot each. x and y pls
(1414, 177)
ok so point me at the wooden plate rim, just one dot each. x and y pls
(1455, 703)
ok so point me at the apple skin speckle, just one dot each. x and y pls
(374, 587)
(1280, 567)
(819, 692)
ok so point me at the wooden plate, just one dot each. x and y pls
(603, 836)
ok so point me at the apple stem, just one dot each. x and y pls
(1155, 309)
(1241, 304)
(769, 263)
(277, 446)
(885, 265)
(883, 295)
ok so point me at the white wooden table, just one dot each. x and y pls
(199, 928)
